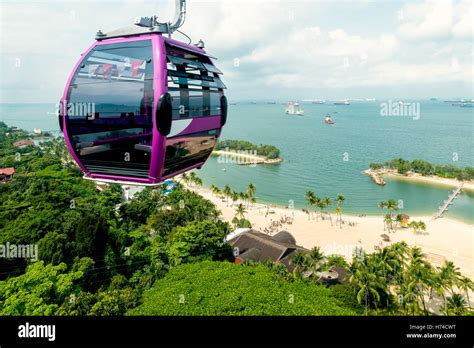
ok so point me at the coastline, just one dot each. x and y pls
(415, 177)
(363, 231)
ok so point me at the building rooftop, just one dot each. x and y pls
(259, 247)
(7, 171)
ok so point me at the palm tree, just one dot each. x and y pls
(227, 193)
(466, 284)
(456, 305)
(321, 204)
(367, 284)
(414, 225)
(450, 275)
(242, 196)
(240, 211)
(327, 203)
(192, 177)
(198, 181)
(314, 261)
(234, 196)
(299, 261)
(421, 225)
(311, 199)
(391, 205)
(339, 200)
(251, 189)
(185, 178)
(214, 189)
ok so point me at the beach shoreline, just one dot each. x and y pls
(358, 231)
(415, 177)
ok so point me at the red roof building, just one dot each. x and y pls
(6, 174)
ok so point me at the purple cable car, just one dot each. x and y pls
(140, 107)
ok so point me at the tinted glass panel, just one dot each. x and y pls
(112, 133)
(188, 150)
(194, 84)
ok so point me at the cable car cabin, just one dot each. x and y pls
(142, 109)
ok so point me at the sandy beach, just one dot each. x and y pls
(444, 239)
(415, 177)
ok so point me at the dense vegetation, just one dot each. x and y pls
(236, 290)
(425, 168)
(269, 151)
(99, 253)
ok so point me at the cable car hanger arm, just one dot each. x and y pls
(150, 25)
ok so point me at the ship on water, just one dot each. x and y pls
(328, 119)
(342, 102)
(293, 109)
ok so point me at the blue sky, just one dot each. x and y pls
(281, 50)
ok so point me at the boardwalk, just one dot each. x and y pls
(445, 207)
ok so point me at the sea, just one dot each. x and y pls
(329, 159)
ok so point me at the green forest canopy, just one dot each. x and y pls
(235, 290)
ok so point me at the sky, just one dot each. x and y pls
(268, 49)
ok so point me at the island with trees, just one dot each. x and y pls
(245, 153)
(422, 170)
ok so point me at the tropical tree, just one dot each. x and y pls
(214, 189)
(466, 284)
(299, 261)
(227, 193)
(240, 211)
(339, 201)
(311, 200)
(234, 196)
(391, 205)
(192, 178)
(251, 189)
(456, 305)
(367, 285)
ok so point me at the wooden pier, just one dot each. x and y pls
(445, 207)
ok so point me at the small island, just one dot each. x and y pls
(243, 152)
(421, 170)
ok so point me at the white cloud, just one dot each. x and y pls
(437, 20)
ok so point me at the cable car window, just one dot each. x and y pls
(185, 151)
(193, 83)
(113, 136)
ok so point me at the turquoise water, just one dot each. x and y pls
(314, 153)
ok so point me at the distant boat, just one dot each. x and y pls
(319, 102)
(292, 109)
(433, 99)
(271, 102)
(328, 120)
(254, 102)
(342, 102)
(370, 99)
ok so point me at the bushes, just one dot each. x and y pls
(222, 288)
